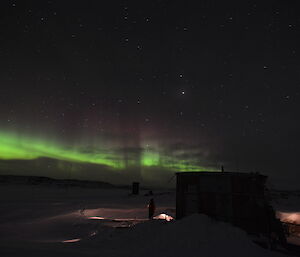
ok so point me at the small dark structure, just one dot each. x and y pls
(151, 208)
(135, 188)
(237, 198)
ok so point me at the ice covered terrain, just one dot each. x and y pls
(72, 221)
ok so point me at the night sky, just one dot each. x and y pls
(137, 90)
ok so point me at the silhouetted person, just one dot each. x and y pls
(151, 208)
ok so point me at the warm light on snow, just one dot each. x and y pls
(96, 218)
(71, 240)
(292, 217)
(163, 216)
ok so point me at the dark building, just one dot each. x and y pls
(135, 188)
(238, 198)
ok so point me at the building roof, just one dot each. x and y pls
(218, 173)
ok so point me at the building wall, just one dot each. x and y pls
(232, 197)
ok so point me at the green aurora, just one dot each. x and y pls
(14, 146)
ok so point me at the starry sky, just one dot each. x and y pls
(138, 90)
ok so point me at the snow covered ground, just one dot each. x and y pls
(73, 221)
(287, 205)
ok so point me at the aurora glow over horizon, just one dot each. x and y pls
(142, 89)
(17, 147)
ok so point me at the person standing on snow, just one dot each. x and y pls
(151, 208)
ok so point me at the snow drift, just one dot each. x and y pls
(196, 235)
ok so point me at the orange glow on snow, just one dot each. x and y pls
(71, 240)
(163, 216)
(292, 217)
(96, 218)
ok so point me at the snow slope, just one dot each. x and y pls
(50, 221)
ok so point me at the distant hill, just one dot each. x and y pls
(37, 180)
